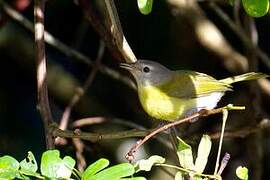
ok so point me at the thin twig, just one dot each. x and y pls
(43, 101)
(203, 113)
(97, 120)
(79, 147)
(81, 91)
(224, 119)
(68, 51)
(236, 12)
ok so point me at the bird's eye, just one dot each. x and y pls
(146, 69)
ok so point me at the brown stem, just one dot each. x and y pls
(81, 91)
(203, 113)
(111, 32)
(95, 137)
(43, 101)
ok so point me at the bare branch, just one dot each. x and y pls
(111, 33)
(68, 51)
(117, 32)
(43, 101)
(81, 91)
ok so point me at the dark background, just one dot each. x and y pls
(157, 36)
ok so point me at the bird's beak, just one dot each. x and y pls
(127, 66)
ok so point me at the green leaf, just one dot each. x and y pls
(115, 172)
(9, 167)
(95, 167)
(203, 153)
(146, 164)
(184, 153)
(242, 173)
(256, 8)
(29, 164)
(53, 166)
(145, 6)
(179, 176)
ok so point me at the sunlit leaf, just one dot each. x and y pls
(184, 153)
(242, 173)
(54, 167)
(145, 6)
(9, 167)
(256, 8)
(95, 167)
(146, 164)
(114, 172)
(203, 153)
(29, 164)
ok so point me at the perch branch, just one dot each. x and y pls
(202, 113)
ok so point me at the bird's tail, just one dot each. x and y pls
(244, 77)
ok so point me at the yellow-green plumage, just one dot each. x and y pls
(170, 95)
(174, 98)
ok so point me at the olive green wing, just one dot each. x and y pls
(190, 84)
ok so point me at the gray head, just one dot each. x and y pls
(148, 72)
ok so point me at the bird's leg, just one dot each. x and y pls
(193, 111)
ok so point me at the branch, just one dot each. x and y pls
(111, 32)
(81, 91)
(202, 113)
(68, 51)
(43, 102)
(95, 137)
(117, 32)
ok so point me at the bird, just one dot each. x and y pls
(170, 95)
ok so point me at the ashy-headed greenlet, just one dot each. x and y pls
(171, 95)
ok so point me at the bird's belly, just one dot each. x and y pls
(160, 106)
(209, 101)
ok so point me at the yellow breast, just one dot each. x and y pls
(159, 105)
